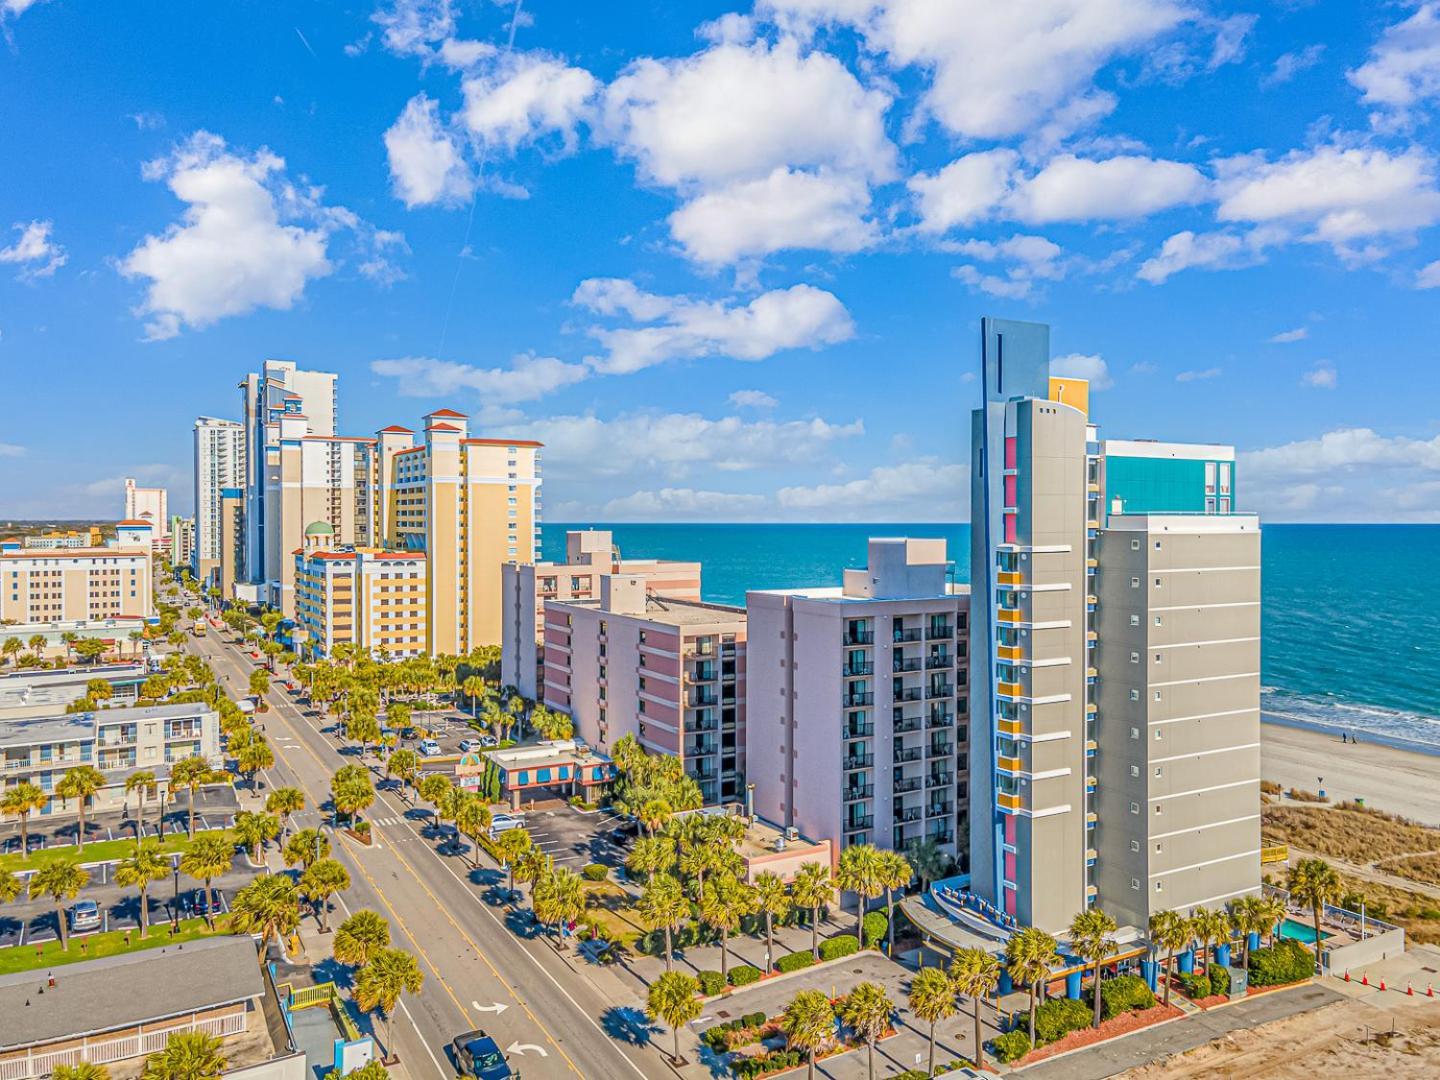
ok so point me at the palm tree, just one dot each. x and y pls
(37, 644)
(1274, 909)
(662, 906)
(472, 820)
(269, 906)
(1169, 930)
(473, 688)
(81, 783)
(653, 814)
(651, 855)
(188, 1055)
(285, 802)
(390, 973)
(859, 872)
(404, 765)
(772, 899)
(724, 901)
(360, 937)
(351, 790)
(305, 847)
(512, 845)
(867, 1011)
(894, 873)
(21, 801)
(1249, 916)
(976, 974)
(813, 889)
(558, 897)
(435, 789)
(809, 1023)
(1030, 954)
(81, 1070)
(1211, 927)
(931, 862)
(1090, 932)
(60, 881)
(11, 649)
(254, 757)
(253, 829)
(191, 773)
(674, 999)
(208, 858)
(10, 886)
(932, 999)
(145, 784)
(143, 865)
(321, 881)
(1315, 883)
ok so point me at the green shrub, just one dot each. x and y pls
(744, 975)
(1126, 993)
(595, 872)
(711, 982)
(796, 960)
(838, 946)
(1010, 1047)
(1056, 1018)
(1286, 961)
(875, 927)
(1219, 979)
(1195, 986)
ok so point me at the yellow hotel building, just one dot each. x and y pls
(363, 596)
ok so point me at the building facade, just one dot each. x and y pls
(73, 584)
(858, 727)
(1067, 778)
(589, 554)
(147, 504)
(118, 742)
(361, 596)
(61, 539)
(669, 672)
(219, 466)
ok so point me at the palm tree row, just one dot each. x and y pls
(1176, 933)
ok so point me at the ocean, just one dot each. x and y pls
(1351, 625)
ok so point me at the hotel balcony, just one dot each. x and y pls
(702, 723)
(854, 700)
(939, 809)
(702, 698)
(939, 779)
(852, 670)
(856, 792)
(704, 771)
(940, 690)
(858, 822)
(902, 723)
(1090, 856)
(1009, 615)
(906, 815)
(859, 637)
(909, 693)
(859, 761)
(702, 673)
(940, 631)
(1090, 820)
(859, 730)
(911, 633)
(940, 836)
(1009, 690)
(1009, 578)
(1011, 766)
(702, 748)
(939, 748)
(939, 660)
(906, 785)
(1010, 727)
(940, 719)
(1009, 652)
(905, 663)
(1006, 801)
(907, 754)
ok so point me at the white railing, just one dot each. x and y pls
(102, 1051)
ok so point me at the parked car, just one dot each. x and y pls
(84, 915)
(480, 1056)
(429, 747)
(205, 901)
(504, 823)
(466, 745)
(489, 740)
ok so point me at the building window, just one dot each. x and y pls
(1134, 733)
(1134, 545)
(1159, 886)
(1158, 659)
(1159, 621)
(1159, 810)
(1157, 583)
(1135, 771)
(1134, 808)
(1134, 620)
(1135, 883)
(1134, 657)
(1134, 583)
(1157, 695)
(1135, 846)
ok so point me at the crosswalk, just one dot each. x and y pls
(387, 821)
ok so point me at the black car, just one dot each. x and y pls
(206, 902)
(480, 1056)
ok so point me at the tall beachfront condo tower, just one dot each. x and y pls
(147, 504)
(279, 401)
(219, 465)
(1116, 606)
(858, 694)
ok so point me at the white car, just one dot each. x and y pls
(429, 748)
(489, 740)
(502, 823)
(466, 745)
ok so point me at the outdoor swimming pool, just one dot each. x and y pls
(1298, 931)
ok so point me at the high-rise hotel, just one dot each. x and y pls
(1115, 625)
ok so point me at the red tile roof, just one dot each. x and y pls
(399, 429)
(447, 412)
(502, 442)
(442, 427)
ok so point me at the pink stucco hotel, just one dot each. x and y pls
(670, 672)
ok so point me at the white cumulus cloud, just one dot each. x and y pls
(527, 378)
(34, 251)
(1081, 366)
(1188, 249)
(681, 328)
(752, 399)
(1322, 377)
(1403, 70)
(427, 164)
(525, 97)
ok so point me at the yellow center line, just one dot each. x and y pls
(436, 900)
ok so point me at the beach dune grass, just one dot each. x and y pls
(1354, 834)
(18, 958)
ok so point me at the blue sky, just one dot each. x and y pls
(727, 261)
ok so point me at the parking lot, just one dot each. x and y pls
(573, 838)
(215, 808)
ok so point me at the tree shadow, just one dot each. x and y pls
(629, 1025)
(331, 970)
(521, 922)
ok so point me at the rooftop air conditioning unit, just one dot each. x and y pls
(792, 833)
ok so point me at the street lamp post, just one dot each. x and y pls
(175, 903)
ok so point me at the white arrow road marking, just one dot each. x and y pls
(521, 1048)
(497, 1008)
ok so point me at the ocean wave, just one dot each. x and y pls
(1333, 714)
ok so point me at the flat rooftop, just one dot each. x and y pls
(96, 996)
(667, 611)
(33, 729)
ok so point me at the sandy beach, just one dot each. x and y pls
(1399, 781)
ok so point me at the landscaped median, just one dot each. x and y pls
(98, 851)
(111, 943)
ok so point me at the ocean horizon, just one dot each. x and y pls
(1347, 644)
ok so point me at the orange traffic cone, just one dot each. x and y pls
(1347, 974)
(1382, 984)
(1409, 990)
(1364, 980)
(1429, 990)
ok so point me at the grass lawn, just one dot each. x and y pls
(24, 957)
(95, 851)
(610, 905)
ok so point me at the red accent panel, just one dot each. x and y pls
(1011, 452)
(1010, 490)
(1010, 827)
(1010, 902)
(1010, 532)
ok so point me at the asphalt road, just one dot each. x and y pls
(478, 974)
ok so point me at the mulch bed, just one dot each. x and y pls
(1110, 1029)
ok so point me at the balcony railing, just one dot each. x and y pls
(939, 718)
(940, 836)
(939, 690)
(913, 693)
(912, 783)
(855, 792)
(935, 780)
(903, 723)
(902, 756)
(939, 809)
(936, 633)
(938, 660)
(702, 724)
(860, 761)
(854, 671)
(701, 748)
(861, 730)
(912, 634)
(903, 816)
(942, 749)
(859, 637)
(855, 701)
(856, 822)
(703, 673)
(901, 664)
(702, 699)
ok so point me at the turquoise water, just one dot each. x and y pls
(1351, 617)
(1298, 931)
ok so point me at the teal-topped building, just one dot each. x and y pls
(1141, 476)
